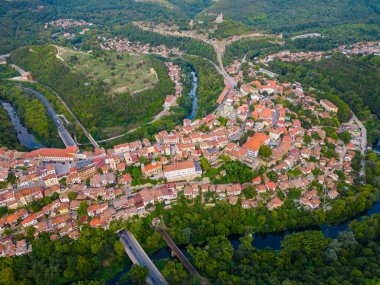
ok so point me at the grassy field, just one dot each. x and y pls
(123, 72)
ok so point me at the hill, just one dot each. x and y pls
(23, 21)
(90, 99)
(281, 16)
(122, 72)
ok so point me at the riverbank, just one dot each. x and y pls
(33, 115)
(194, 96)
(23, 136)
(262, 241)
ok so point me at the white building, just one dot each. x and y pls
(184, 170)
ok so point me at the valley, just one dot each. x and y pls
(189, 142)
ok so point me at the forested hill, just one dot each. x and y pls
(288, 16)
(90, 100)
(22, 21)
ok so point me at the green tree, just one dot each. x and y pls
(265, 151)
(175, 273)
(345, 136)
(84, 266)
(205, 164)
(138, 274)
(72, 195)
(7, 276)
(82, 210)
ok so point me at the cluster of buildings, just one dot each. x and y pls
(175, 76)
(68, 23)
(293, 56)
(361, 48)
(98, 187)
(288, 56)
(69, 27)
(123, 44)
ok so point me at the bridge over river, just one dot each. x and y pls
(138, 256)
(178, 253)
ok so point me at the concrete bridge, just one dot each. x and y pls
(139, 257)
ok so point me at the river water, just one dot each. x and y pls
(376, 148)
(194, 96)
(260, 241)
(24, 137)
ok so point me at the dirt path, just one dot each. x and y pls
(61, 50)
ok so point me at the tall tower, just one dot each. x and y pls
(219, 19)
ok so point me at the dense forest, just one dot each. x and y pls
(354, 80)
(96, 255)
(90, 100)
(7, 71)
(23, 20)
(331, 38)
(339, 21)
(8, 133)
(230, 28)
(282, 16)
(305, 257)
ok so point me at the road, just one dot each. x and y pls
(87, 134)
(4, 56)
(138, 256)
(218, 45)
(63, 133)
(363, 143)
(19, 70)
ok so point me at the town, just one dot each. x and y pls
(367, 48)
(123, 44)
(287, 135)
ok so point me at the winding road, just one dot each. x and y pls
(87, 134)
(218, 45)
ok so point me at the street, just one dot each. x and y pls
(363, 143)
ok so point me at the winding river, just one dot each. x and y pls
(194, 96)
(23, 136)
